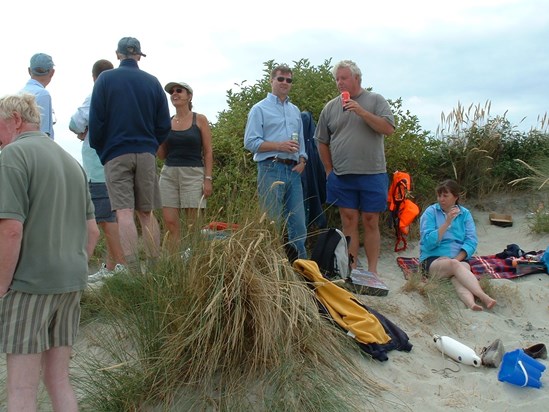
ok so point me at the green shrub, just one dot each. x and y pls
(479, 151)
(540, 222)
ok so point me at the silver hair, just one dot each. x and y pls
(349, 64)
(24, 104)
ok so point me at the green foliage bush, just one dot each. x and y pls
(481, 152)
(410, 149)
(470, 146)
(407, 149)
(531, 147)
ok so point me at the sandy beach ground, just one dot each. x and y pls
(423, 379)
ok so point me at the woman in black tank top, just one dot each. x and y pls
(186, 177)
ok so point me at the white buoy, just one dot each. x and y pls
(457, 350)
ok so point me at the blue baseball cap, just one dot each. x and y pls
(41, 64)
(129, 46)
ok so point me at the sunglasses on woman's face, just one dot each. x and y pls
(178, 90)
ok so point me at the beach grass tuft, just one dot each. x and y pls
(228, 325)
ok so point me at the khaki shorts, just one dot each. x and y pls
(132, 182)
(182, 187)
(35, 323)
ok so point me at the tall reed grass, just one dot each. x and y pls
(538, 181)
(227, 326)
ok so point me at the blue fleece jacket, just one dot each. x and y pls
(128, 113)
(461, 235)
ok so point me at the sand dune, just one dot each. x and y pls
(424, 379)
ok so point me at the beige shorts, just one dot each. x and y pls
(35, 323)
(132, 182)
(182, 187)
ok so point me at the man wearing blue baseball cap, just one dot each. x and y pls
(41, 71)
(129, 118)
(129, 46)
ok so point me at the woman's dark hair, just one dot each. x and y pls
(449, 186)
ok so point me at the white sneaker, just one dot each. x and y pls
(104, 273)
(119, 268)
(186, 254)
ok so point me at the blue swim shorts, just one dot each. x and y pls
(367, 193)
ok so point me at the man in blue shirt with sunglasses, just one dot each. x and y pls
(274, 134)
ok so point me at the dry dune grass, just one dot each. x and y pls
(439, 296)
(230, 327)
(441, 299)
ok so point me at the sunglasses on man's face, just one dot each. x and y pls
(178, 90)
(281, 79)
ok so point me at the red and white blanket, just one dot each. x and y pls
(491, 266)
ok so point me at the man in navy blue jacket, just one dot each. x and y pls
(129, 119)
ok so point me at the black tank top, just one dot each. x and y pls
(184, 147)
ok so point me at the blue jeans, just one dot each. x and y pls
(283, 202)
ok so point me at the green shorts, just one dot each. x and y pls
(32, 323)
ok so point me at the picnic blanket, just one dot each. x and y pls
(489, 265)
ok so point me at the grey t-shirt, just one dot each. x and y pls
(354, 146)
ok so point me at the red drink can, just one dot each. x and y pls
(345, 96)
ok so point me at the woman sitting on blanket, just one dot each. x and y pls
(448, 240)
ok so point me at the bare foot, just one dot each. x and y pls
(476, 307)
(490, 303)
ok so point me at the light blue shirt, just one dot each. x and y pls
(43, 100)
(272, 120)
(90, 160)
(461, 235)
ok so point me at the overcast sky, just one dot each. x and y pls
(432, 54)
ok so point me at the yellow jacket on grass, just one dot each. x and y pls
(343, 306)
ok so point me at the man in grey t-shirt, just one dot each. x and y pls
(351, 136)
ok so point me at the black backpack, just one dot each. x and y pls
(331, 253)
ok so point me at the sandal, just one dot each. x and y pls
(492, 354)
(536, 351)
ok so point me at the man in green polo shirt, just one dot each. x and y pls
(47, 232)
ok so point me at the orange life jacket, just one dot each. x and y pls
(403, 210)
